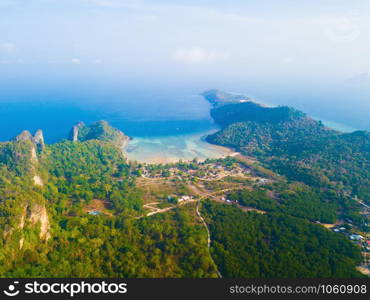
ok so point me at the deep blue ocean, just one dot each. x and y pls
(155, 112)
(136, 114)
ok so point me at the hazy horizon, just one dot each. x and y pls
(312, 56)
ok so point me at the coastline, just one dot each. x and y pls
(172, 149)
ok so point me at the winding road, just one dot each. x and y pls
(208, 238)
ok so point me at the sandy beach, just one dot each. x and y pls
(162, 150)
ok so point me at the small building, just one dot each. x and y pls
(368, 245)
(184, 198)
(356, 237)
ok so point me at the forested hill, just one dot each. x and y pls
(258, 246)
(250, 111)
(47, 194)
(100, 130)
(77, 208)
(230, 108)
(297, 146)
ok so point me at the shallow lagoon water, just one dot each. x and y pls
(154, 141)
(169, 149)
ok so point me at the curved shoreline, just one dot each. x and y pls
(162, 150)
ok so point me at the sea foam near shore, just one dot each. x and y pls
(174, 148)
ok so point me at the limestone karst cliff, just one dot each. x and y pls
(75, 131)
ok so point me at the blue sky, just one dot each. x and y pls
(211, 43)
(267, 37)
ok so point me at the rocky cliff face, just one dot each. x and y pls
(37, 214)
(36, 145)
(37, 140)
(26, 205)
(34, 216)
(25, 135)
(25, 218)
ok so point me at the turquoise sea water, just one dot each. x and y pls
(166, 149)
(166, 125)
(337, 126)
(331, 124)
(136, 114)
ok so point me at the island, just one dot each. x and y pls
(292, 201)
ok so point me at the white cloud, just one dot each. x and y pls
(97, 61)
(8, 48)
(198, 55)
(342, 29)
(76, 61)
